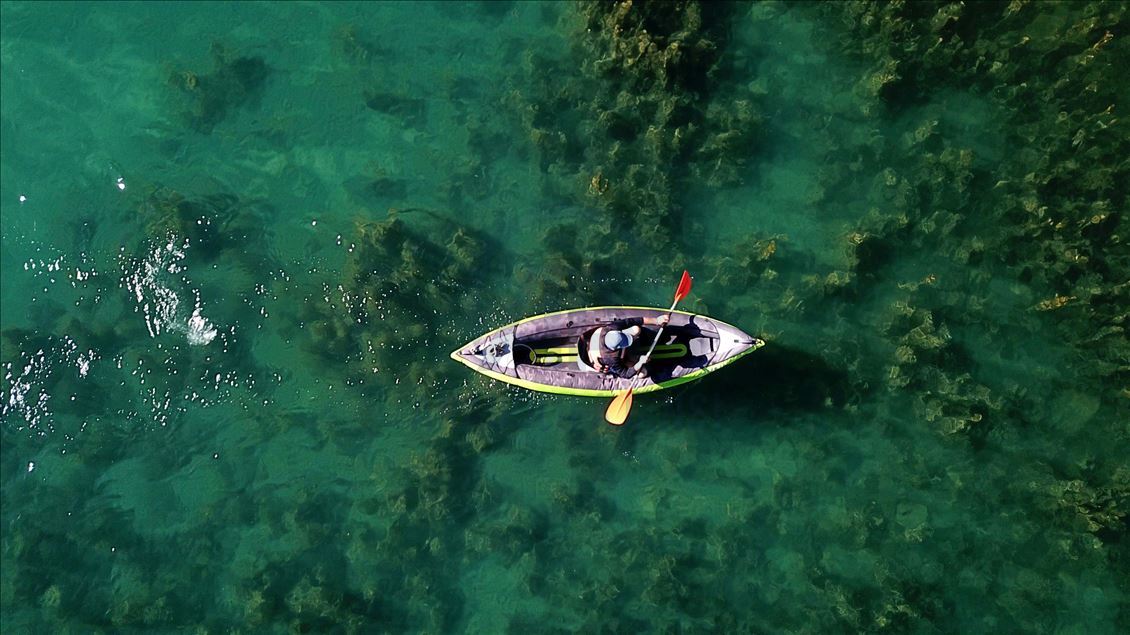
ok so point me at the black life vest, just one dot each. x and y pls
(609, 356)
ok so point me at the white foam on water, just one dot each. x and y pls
(20, 400)
(27, 397)
(152, 282)
(200, 330)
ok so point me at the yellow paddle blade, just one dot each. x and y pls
(618, 410)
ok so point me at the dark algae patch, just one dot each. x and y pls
(233, 81)
(239, 242)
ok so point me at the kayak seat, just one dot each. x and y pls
(702, 346)
(583, 354)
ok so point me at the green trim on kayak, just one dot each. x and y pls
(556, 350)
(558, 354)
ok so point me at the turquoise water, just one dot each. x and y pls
(239, 241)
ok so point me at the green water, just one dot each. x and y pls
(239, 241)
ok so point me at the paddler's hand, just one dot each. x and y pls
(663, 320)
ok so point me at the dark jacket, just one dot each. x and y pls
(615, 359)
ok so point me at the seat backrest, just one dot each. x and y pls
(702, 345)
(583, 353)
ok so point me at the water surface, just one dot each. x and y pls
(239, 241)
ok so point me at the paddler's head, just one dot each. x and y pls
(617, 340)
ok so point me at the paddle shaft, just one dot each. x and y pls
(618, 410)
(643, 360)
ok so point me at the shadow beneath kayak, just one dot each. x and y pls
(774, 379)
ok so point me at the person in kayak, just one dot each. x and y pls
(610, 346)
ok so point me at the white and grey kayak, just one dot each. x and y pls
(549, 352)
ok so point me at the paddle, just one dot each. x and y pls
(618, 410)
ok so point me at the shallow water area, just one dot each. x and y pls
(239, 241)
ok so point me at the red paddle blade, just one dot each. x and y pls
(684, 286)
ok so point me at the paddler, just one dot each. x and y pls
(610, 346)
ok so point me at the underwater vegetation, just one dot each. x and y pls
(998, 217)
(879, 467)
(381, 319)
(619, 133)
(213, 224)
(1048, 217)
(234, 82)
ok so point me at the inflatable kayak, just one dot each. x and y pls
(548, 353)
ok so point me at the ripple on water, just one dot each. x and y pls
(157, 283)
(29, 382)
(57, 385)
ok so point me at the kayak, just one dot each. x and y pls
(548, 352)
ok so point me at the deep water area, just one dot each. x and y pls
(239, 240)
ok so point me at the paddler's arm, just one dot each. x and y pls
(630, 324)
(636, 330)
(661, 322)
